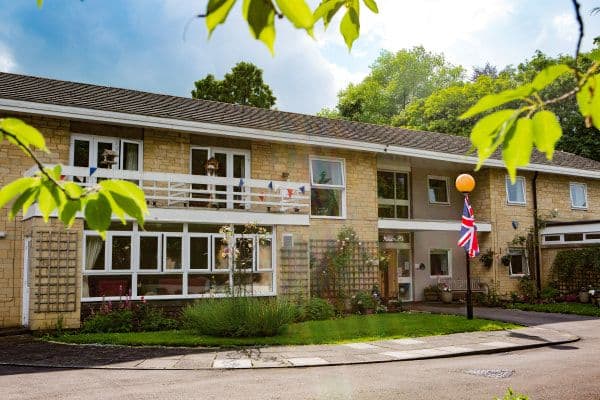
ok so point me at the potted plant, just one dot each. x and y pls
(505, 260)
(363, 303)
(487, 258)
(445, 293)
(431, 293)
(584, 295)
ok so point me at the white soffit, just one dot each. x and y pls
(428, 225)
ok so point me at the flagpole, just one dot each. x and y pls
(469, 293)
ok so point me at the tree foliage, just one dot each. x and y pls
(441, 110)
(243, 85)
(395, 80)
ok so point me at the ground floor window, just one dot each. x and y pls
(518, 262)
(439, 260)
(177, 261)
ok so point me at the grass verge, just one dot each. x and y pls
(355, 328)
(563, 308)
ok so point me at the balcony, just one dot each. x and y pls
(199, 198)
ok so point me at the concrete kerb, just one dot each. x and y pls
(282, 364)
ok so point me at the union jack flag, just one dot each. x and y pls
(468, 230)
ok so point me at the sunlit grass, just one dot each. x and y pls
(563, 308)
(349, 329)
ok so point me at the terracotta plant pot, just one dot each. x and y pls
(446, 297)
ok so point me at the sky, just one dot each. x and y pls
(157, 45)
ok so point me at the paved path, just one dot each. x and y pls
(25, 351)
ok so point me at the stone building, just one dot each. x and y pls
(302, 178)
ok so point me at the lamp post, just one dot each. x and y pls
(465, 184)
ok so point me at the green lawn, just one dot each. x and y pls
(349, 329)
(563, 308)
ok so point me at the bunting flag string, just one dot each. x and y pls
(92, 170)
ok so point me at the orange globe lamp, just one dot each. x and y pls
(465, 183)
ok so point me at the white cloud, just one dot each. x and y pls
(565, 27)
(7, 61)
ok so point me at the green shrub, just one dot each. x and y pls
(527, 288)
(317, 309)
(549, 294)
(127, 317)
(119, 320)
(238, 317)
(363, 301)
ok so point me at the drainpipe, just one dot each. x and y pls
(536, 246)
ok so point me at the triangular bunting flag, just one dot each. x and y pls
(261, 197)
(241, 182)
(302, 189)
(290, 192)
(92, 170)
(271, 185)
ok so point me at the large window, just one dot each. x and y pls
(579, 196)
(515, 193)
(392, 191)
(176, 261)
(518, 262)
(437, 189)
(328, 197)
(440, 262)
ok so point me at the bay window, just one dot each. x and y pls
(328, 188)
(167, 260)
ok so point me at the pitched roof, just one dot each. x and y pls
(94, 97)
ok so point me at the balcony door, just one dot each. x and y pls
(233, 164)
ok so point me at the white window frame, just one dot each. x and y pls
(209, 244)
(185, 271)
(524, 188)
(140, 144)
(341, 187)
(525, 262)
(439, 178)
(395, 201)
(449, 253)
(574, 184)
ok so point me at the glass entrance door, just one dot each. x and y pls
(405, 288)
(398, 274)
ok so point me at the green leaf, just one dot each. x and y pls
(371, 5)
(326, 10)
(46, 201)
(40, 3)
(517, 146)
(549, 75)
(298, 12)
(350, 26)
(594, 55)
(68, 211)
(487, 129)
(15, 188)
(73, 190)
(595, 105)
(588, 99)
(27, 134)
(260, 16)
(98, 213)
(24, 201)
(126, 197)
(217, 12)
(546, 132)
(494, 100)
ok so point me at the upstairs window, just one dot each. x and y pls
(579, 196)
(87, 151)
(328, 188)
(392, 192)
(438, 190)
(515, 193)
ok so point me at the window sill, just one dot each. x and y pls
(510, 203)
(326, 217)
(579, 208)
(515, 276)
(438, 203)
(439, 276)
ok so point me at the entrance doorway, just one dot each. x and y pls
(398, 281)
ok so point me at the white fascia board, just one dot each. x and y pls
(428, 225)
(87, 114)
(205, 216)
(571, 228)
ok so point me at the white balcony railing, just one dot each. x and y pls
(190, 191)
